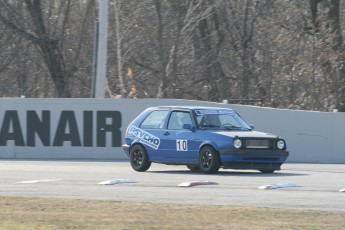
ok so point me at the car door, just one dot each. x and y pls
(180, 143)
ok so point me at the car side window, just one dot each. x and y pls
(155, 120)
(178, 119)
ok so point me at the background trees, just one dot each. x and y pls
(39, 34)
(287, 54)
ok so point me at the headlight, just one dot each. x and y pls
(237, 143)
(280, 144)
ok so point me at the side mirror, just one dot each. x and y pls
(251, 126)
(187, 126)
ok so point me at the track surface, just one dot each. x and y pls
(79, 179)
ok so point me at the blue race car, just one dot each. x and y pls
(202, 138)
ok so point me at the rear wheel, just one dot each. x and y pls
(139, 159)
(209, 160)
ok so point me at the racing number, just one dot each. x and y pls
(181, 145)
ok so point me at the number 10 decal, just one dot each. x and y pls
(181, 145)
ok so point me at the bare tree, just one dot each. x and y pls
(46, 26)
(325, 17)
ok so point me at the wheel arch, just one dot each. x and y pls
(212, 145)
(137, 143)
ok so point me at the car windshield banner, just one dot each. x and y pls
(214, 111)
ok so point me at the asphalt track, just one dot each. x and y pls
(79, 179)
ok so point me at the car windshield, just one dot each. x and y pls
(223, 119)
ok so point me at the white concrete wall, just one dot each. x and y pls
(316, 137)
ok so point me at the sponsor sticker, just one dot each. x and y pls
(144, 137)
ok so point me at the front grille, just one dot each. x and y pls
(253, 165)
(261, 158)
(258, 144)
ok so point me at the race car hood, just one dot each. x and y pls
(252, 134)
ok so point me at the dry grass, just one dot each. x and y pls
(45, 213)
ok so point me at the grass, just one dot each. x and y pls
(50, 213)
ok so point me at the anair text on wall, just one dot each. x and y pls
(79, 129)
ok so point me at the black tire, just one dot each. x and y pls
(267, 171)
(209, 160)
(139, 159)
(193, 168)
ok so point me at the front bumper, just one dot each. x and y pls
(253, 158)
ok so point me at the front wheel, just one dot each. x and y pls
(139, 159)
(193, 168)
(209, 160)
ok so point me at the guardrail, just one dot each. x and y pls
(94, 128)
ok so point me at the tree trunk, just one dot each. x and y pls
(53, 56)
(163, 77)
